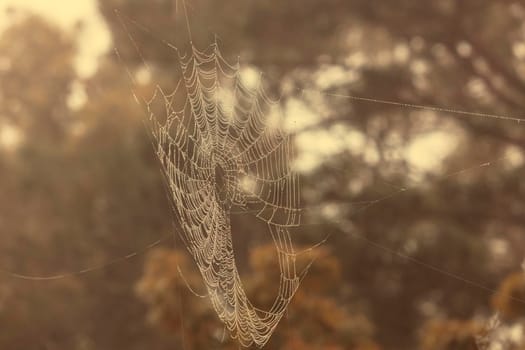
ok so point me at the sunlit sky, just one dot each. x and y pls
(425, 153)
(94, 40)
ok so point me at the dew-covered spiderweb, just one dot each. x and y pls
(220, 147)
(222, 151)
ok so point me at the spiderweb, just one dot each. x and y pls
(220, 147)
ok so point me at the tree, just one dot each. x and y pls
(437, 53)
(322, 314)
(81, 190)
(85, 186)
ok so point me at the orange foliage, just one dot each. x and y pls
(320, 316)
(450, 335)
(508, 299)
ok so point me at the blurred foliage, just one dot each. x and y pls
(450, 335)
(508, 300)
(321, 316)
(83, 186)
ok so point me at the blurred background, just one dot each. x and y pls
(437, 266)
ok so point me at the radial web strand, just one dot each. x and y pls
(220, 147)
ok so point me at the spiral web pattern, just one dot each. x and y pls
(220, 147)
